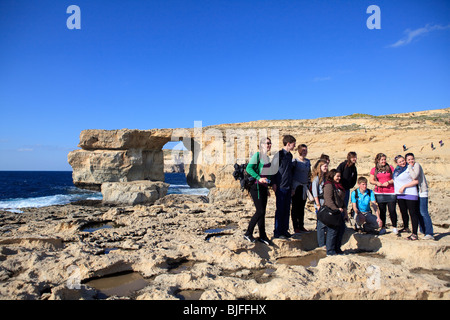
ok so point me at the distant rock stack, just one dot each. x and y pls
(118, 156)
(126, 165)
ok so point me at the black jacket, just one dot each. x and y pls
(348, 175)
(283, 178)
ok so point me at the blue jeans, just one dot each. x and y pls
(334, 239)
(347, 198)
(282, 212)
(321, 233)
(425, 224)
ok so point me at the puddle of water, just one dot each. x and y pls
(184, 265)
(309, 260)
(108, 250)
(443, 275)
(263, 275)
(94, 226)
(231, 226)
(121, 285)
(218, 232)
(189, 294)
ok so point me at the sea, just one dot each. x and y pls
(34, 189)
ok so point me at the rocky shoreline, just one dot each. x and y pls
(184, 247)
(140, 244)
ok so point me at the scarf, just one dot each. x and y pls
(399, 170)
(337, 185)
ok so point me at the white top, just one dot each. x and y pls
(403, 179)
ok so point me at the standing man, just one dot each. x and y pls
(300, 184)
(282, 186)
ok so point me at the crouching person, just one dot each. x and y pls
(362, 199)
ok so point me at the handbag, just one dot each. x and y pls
(330, 218)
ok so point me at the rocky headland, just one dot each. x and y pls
(159, 246)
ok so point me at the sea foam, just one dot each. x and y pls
(60, 199)
(14, 205)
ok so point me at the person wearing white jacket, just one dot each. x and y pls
(407, 195)
(416, 172)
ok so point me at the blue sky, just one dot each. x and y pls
(143, 64)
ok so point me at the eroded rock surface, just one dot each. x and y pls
(184, 245)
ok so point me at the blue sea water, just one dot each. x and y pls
(25, 189)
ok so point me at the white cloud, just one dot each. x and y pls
(316, 79)
(410, 35)
(25, 149)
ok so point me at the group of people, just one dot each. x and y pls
(294, 181)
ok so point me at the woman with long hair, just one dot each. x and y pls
(407, 195)
(334, 198)
(258, 167)
(318, 180)
(416, 172)
(381, 178)
(349, 174)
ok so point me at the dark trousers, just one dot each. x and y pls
(334, 239)
(411, 206)
(259, 218)
(282, 212)
(392, 212)
(298, 208)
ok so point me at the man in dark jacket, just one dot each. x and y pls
(282, 186)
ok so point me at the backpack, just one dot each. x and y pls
(357, 196)
(240, 173)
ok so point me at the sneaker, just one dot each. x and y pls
(395, 231)
(382, 231)
(265, 240)
(428, 237)
(287, 235)
(249, 238)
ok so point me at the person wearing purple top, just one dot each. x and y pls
(407, 195)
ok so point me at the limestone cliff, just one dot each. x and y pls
(129, 155)
(118, 156)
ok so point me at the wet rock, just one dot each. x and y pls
(167, 245)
